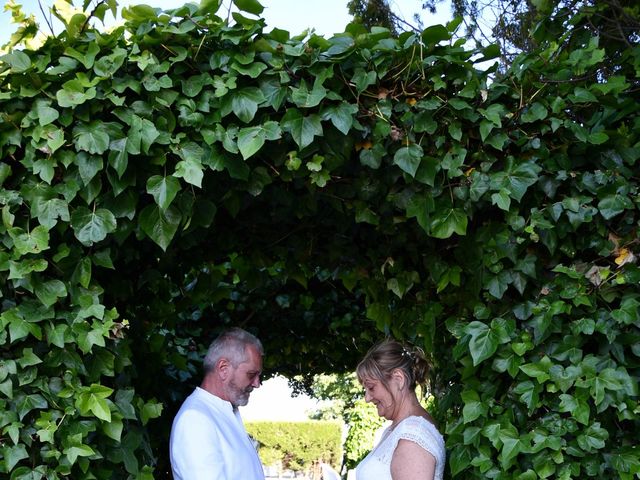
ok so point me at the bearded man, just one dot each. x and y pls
(208, 438)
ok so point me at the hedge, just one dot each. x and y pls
(298, 446)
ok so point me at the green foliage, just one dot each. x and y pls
(364, 422)
(346, 404)
(181, 174)
(298, 446)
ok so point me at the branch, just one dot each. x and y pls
(46, 19)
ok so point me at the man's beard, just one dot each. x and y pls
(240, 397)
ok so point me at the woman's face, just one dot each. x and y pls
(376, 393)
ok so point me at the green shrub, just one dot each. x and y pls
(298, 445)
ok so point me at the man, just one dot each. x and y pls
(208, 438)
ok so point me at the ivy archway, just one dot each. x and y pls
(180, 174)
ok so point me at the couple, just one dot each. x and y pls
(208, 439)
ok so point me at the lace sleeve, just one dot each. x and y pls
(419, 431)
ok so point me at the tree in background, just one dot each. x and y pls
(377, 13)
(360, 418)
(521, 26)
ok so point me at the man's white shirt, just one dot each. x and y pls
(209, 442)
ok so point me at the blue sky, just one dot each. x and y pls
(325, 16)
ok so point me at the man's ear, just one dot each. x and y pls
(223, 367)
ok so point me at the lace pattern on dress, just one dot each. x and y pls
(418, 430)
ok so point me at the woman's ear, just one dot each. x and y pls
(399, 379)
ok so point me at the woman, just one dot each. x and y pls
(411, 448)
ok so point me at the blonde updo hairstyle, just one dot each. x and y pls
(385, 357)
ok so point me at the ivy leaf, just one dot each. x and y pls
(49, 292)
(163, 189)
(598, 138)
(118, 156)
(160, 225)
(251, 139)
(141, 136)
(304, 98)
(46, 114)
(88, 166)
(485, 129)
(18, 62)
(363, 79)
(19, 327)
(109, 64)
(483, 343)
(87, 338)
(23, 268)
(45, 168)
(498, 140)
(511, 446)
(274, 93)
(455, 130)
(341, 115)
(76, 451)
(473, 407)
(35, 241)
(564, 377)
(94, 400)
(408, 158)
(113, 429)
(82, 272)
(73, 94)
(435, 34)
(193, 85)
(190, 168)
(499, 283)
(189, 151)
(245, 102)
(253, 69)
(12, 455)
(493, 114)
(613, 205)
(594, 438)
(302, 128)
(92, 227)
(29, 403)
(538, 370)
(249, 6)
(91, 137)
(501, 199)
(149, 411)
(446, 222)
(56, 335)
(534, 112)
(191, 171)
(453, 160)
(516, 180)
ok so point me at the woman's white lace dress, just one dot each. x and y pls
(377, 465)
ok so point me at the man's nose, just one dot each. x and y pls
(256, 382)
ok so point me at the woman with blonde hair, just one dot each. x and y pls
(411, 448)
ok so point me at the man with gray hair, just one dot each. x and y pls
(208, 438)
